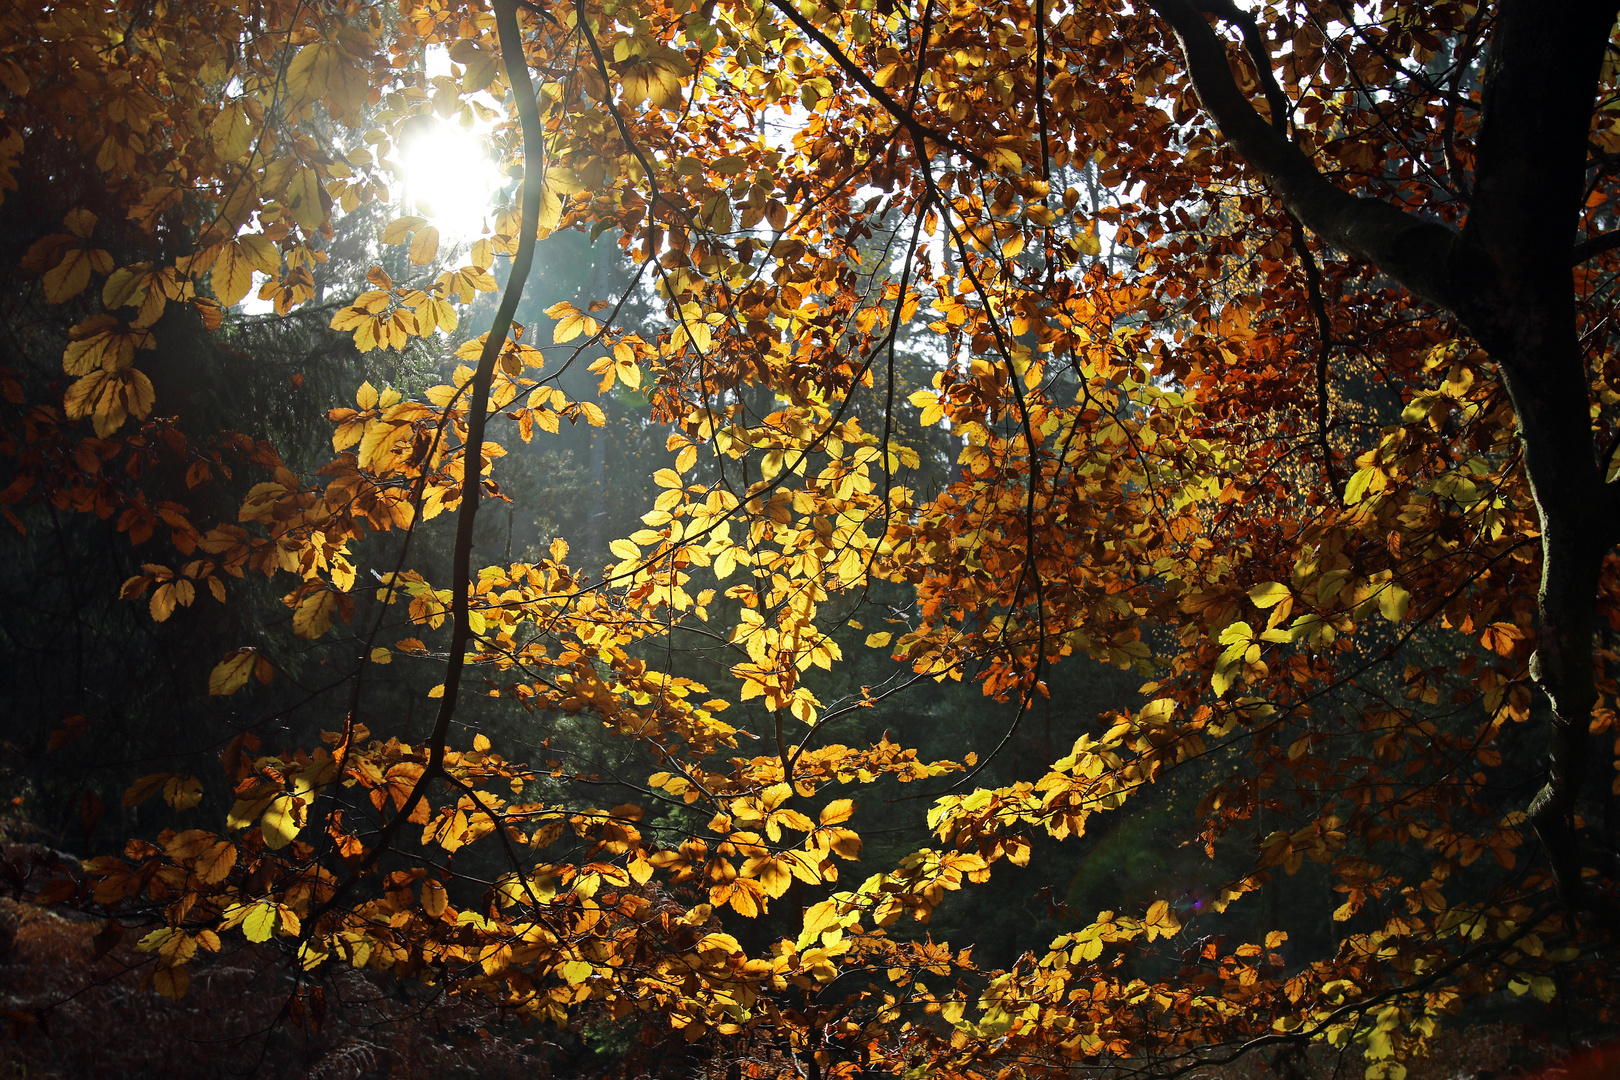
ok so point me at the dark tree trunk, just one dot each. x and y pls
(1508, 276)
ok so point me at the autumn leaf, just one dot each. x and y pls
(231, 275)
(281, 821)
(434, 899)
(1268, 594)
(214, 865)
(400, 228)
(145, 788)
(313, 615)
(322, 71)
(232, 131)
(182, 792)
(1041, 367)
(231, 673)
(424, 245)
(304, 199)
(260, 922)
(171, 982)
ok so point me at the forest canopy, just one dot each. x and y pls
(903, 536)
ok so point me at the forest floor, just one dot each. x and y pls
(73, 995)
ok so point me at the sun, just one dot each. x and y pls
(449, 177)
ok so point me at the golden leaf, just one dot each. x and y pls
(171, 982)
(232, 275)
(313, 616)
(425, 245)
(280, 822)
(304, 199)
(231, 673)
(215, 864)
(260, 922)
(434, 898)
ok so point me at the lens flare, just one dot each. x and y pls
(449, 177)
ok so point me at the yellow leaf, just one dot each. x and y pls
(280, 822)
(575, 972)
(232, 132)
(126, 287)
(817, 919)
(878, 640)
(169, 595)
(100, 341)
(434, 898)
(171, 982)
(397, 230)
(1393, 602)
(313, 617)
(425, 245)
(380, 655)
(1361, 483)
(1268, 594)
(837, 811)
(260, 251)
(304, 199)
(182, 792)
(232, 275)
(550, 212)
(572, 326)
(69, 277)
(311, 70)
(260, 922)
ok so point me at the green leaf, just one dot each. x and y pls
(1393, 602)
(260, 922)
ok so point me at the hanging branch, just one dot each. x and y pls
(517, 74)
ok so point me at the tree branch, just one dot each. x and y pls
(1593, 246)
(917, 129)
(517, 73)
(1412, 251)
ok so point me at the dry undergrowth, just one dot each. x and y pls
(77, 1008)
(75, 1014)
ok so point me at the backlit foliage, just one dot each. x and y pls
(1188, 440)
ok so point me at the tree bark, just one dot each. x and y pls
(1507, 276)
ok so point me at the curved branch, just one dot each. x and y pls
(1593, 246)
(517, 73)
(1409, 249)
